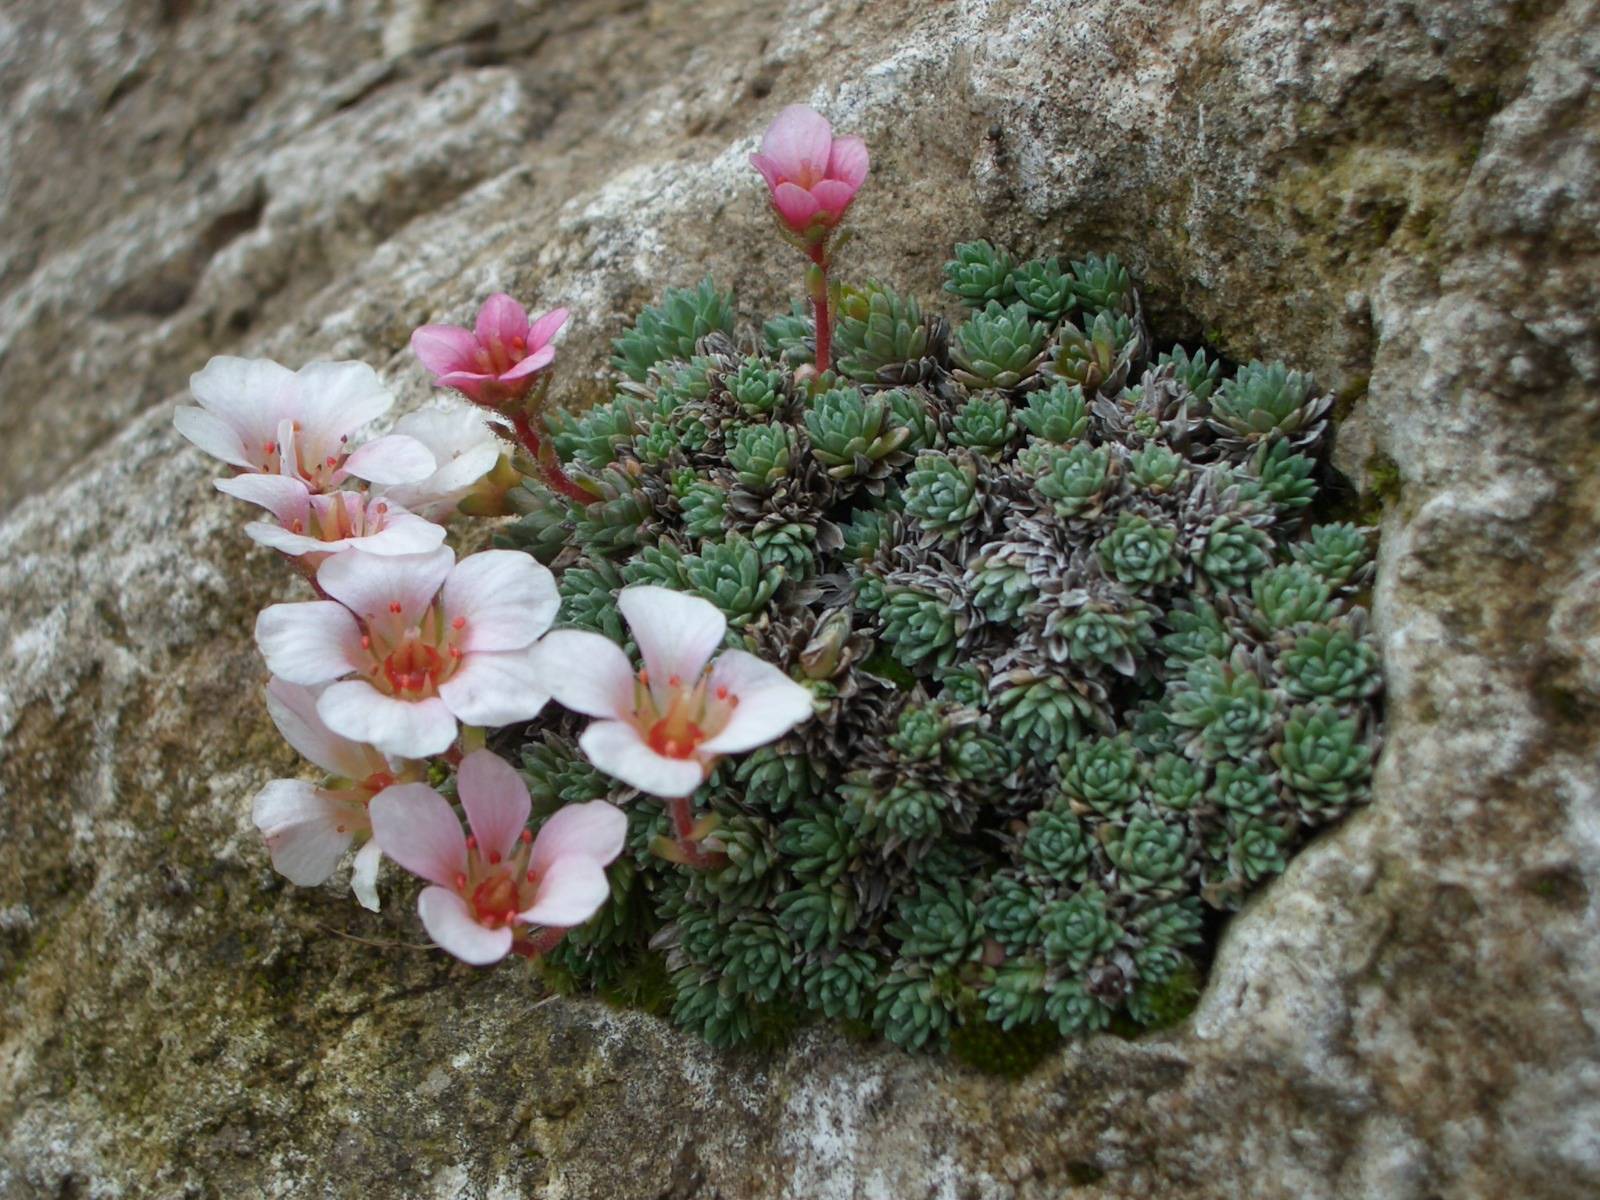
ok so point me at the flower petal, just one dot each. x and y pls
(570, 892)
(545, 328)
(284, 496)
(501, 319)
(402, 533)
(795, 205)
(451, 925)
(416, 827)
(847, 161)
(213, 435)
(770, 703)
(307, 829)
(768, 168)
(246, 394)
(402, 728)
(364, 875)
(470, 384)
(585, 672)
(677, 633)
(367, 584)
(336, 399)
(309, 642)
(595, 830)
(504, 598)
(392, 459)
(798, 140)
(833, 198)
(496, 688)
(293, 710)
(536, 361)
(444, 348)
(496, 801)
(616, 748)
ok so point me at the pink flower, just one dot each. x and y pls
(487, 885)
(431, 641)
(495, 361)
(315, 525)
(812, 175)
(663, 729)
(308, 829)
(264, 418)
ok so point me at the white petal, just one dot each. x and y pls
(416, 827)
(570, 892)
(307, 829)
(276, 537)
(283, 496)
(337, 398)
(310, 642)
(451, 925)
(402, 533)
(392, 459)
(505, 597)
(585, 672)
(495, 689)
(616, 748)
(364, 875)
(212, 434)
(595, 830)
(496, 801)
(677, 634)
(368, 584)
(770, 703)
(294, 711)
(403, 728)
(248, 394)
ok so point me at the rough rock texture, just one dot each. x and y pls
(1399, 195)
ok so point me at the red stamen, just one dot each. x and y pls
(494, 858)
(461, 882)
(331, 461)
(366, 641)
(382, 507)
(338, 828)
(722, 692)
(644, 678)
(527, 836)
(459, 623)
(472, 842)
(675, 681)
(394, 607)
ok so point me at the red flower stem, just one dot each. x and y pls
(542, 942)
(819, 306)
(554, 476)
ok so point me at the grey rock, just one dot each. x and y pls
(1400, 197)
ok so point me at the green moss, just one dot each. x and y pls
(1010, 1054)
(644, 984)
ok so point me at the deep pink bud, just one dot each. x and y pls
(496, 360)
(812, 176)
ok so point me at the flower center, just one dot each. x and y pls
(411, 663)
(692, 715)
(495, 900)
(498, 888)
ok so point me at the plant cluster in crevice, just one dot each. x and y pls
(1086, 671)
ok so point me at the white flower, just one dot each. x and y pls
(264, 418)
(489, 887)
(319, 524)
(463, 445)
(432, 641)
(663, 729)
(308, 829)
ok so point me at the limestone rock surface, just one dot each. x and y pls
(1401, 196)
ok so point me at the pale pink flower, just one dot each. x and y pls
(308, 829)
(496, 360)
(487, 886)
(663, 729)
(812, 175)
(264, 418)
(461, 442)
(429, 640)
(313, 525)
